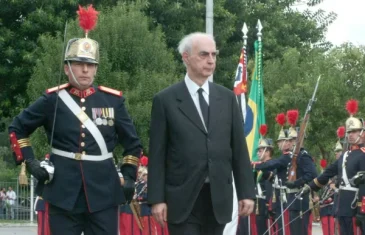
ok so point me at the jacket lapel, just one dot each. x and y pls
(214, 107)
(187, 106)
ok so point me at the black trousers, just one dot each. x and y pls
(347, 225)
(261, 224)
(201, 221)
(103, 222)
(299, 224)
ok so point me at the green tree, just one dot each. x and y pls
(283, 27)
(134, 59)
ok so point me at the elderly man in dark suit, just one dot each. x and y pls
(196, 142)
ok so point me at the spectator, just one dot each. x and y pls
(2, 203)
(10, 201)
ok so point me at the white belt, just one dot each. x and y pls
(292, 190)
(278, 186)
(261, 196)
(349, 188)
(80, 156)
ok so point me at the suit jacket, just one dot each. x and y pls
(183, 153)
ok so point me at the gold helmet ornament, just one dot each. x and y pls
(340, 134)
(292, 117)
(264, 142)
(283, 134)
(353, 123)
(84, 49)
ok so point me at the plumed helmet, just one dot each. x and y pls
(292, 117)
(283, 134)
(353, 123)
(264, 142)
(84, 49)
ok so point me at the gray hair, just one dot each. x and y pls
(186, 44)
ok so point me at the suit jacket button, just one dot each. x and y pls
(209, 160)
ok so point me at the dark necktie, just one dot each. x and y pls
(204, 107)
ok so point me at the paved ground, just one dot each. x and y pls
(33, 230)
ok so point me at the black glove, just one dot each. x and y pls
(360, 220)
(34, 168)
(128, 189)
(290, 184)
(358, 180)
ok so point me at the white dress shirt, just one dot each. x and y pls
(193, 90)
(11, 196)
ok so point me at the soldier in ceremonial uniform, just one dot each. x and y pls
(41, 209)
(346, 167)
(264, 187)
(299, 214)
(83, 123)
(280, 165)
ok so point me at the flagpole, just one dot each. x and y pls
(209, 22)
(259, 60)
(245, 31)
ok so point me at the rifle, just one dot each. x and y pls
(299, 143)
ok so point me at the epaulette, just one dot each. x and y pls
(60, 87)
(111, 91)
(363, 149)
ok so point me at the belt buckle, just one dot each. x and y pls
(78, 156)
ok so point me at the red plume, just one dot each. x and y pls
(292, 116)
(87, 18)
(352, 106)
(263, 129)
(144, 161)
(280, 119)
(341, 132)
(323, 163)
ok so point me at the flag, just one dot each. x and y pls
(255, 112)
(240, 83)
(239, 89)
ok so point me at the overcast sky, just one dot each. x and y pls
(350, 23)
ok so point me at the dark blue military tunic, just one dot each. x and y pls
(306, 172)
(280, 165)
(84, 185)
(298, 211)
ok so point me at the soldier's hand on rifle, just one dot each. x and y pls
(128, 189)
(34, 168)
(290, 184)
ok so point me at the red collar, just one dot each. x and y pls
(82, 94)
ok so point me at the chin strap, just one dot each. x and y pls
(263, 153)
(359, 136)
(74, 78)
(282, 145)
